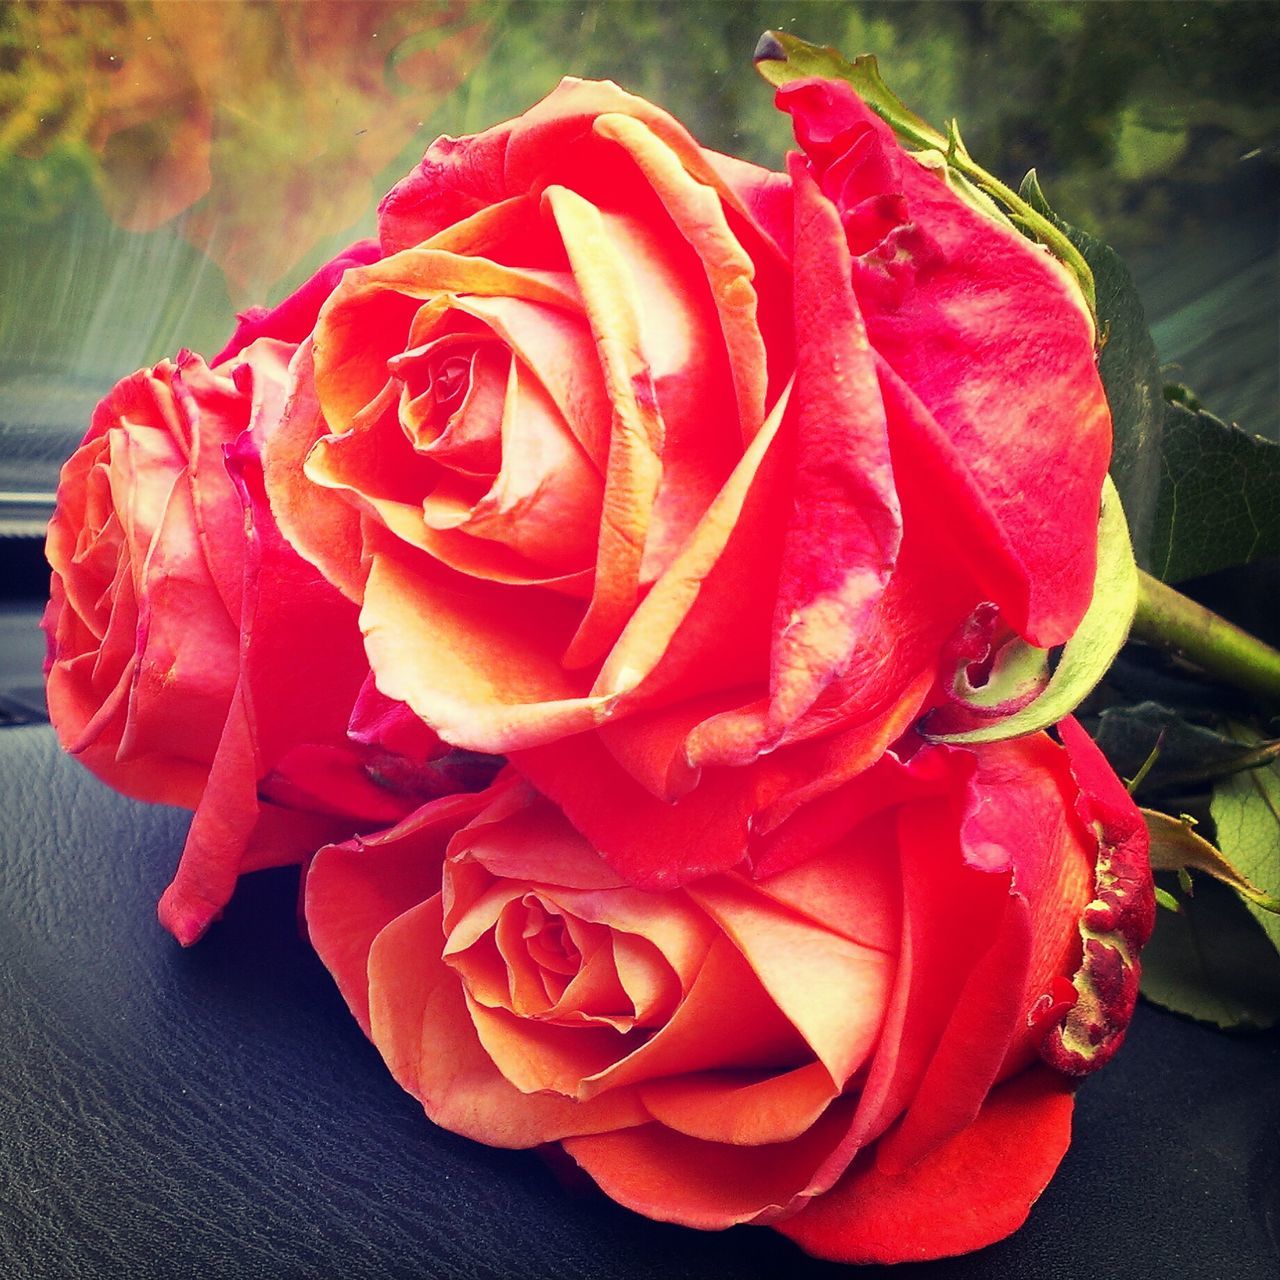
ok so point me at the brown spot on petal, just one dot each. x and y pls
(1114, 925)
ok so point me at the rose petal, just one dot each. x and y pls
(709, 1185)
(833, 990)
(220, 830)
(555, 344)
(989, 1013)
(188, 646)
(1115, 924)
(708, 590)
(368, 316)
(322, 527)
(949, 912)
(699, 215)
(851, 887)
(725, 1022)
(486, 687)
(975, 1189)
(545, 502)
(636, 430)
(846, 526)
(217, 410)
(354, 890)
(737, 1108)
(652, 844)
(956, 357)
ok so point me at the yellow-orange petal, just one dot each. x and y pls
(744, 1109)
(674, 1178)
(833, 991)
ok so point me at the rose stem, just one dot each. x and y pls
(1170, 621)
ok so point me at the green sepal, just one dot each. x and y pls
(1086, 657)
(1175, 845)
(781, 58)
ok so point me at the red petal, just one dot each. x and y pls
(1115, 925)
(991, 334)
(220, 831)
(975, 1189)
(846, 528)
(710, 1185)
(988, 1015)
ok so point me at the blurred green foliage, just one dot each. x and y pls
(1132, 112)
(1148, 122)
(1121, 106)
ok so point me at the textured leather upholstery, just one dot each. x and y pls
(216, 1112)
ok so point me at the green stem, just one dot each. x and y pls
(1171, 621)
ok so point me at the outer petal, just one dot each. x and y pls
(975, 1189)
(489, 686)
(949, 913)
(219, 834)
(354, 890)
(846, 527)
(319, 524)
(990, 1011)
(551, 142)
(656, 843)
(710, 1185)
(991, 335)
(1115, 925)
(300, 670)
(653, 844)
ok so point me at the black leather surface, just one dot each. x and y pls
(216, 1112)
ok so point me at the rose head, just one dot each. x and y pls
(671, 477)
(194, 658)
(139, 578)
(851, 1048)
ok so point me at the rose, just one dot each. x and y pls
(671, 477)
(848, 1048)
(194, 658)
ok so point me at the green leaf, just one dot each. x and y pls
(1177, 846)
(1219, 496)
(1188, 752)
(1210, 961)
(1246, 815)
(1130, 372)
(1087, 655)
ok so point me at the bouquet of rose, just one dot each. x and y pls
(634, 586)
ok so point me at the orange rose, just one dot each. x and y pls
(846, 1048)
(624, 455)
